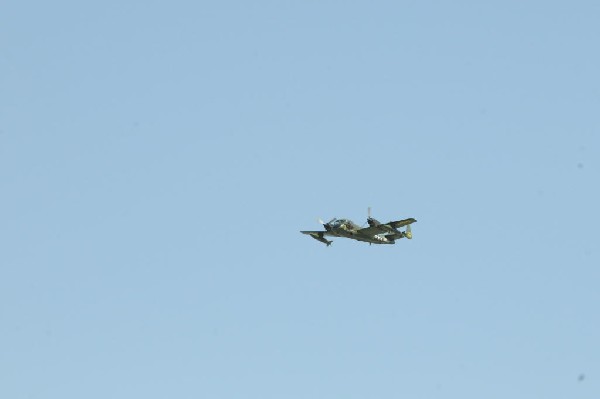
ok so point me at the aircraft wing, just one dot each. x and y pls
(319, 236)
(317, 233)
(401, 223)
(386, 227)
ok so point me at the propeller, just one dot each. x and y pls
(372, 222)
(326, 225)
(368, 217)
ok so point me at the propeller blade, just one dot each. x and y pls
(368, 217)
(321, 221)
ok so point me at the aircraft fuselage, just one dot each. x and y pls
(348, 229)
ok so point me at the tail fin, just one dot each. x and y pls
(408, 232)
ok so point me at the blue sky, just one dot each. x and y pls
(158, 159)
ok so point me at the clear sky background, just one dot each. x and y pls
(158, 159)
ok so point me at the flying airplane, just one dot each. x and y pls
(376, 233)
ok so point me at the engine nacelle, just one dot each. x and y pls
(373, 222)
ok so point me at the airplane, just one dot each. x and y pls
(376, 233)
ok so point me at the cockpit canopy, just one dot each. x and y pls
(335, 223)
